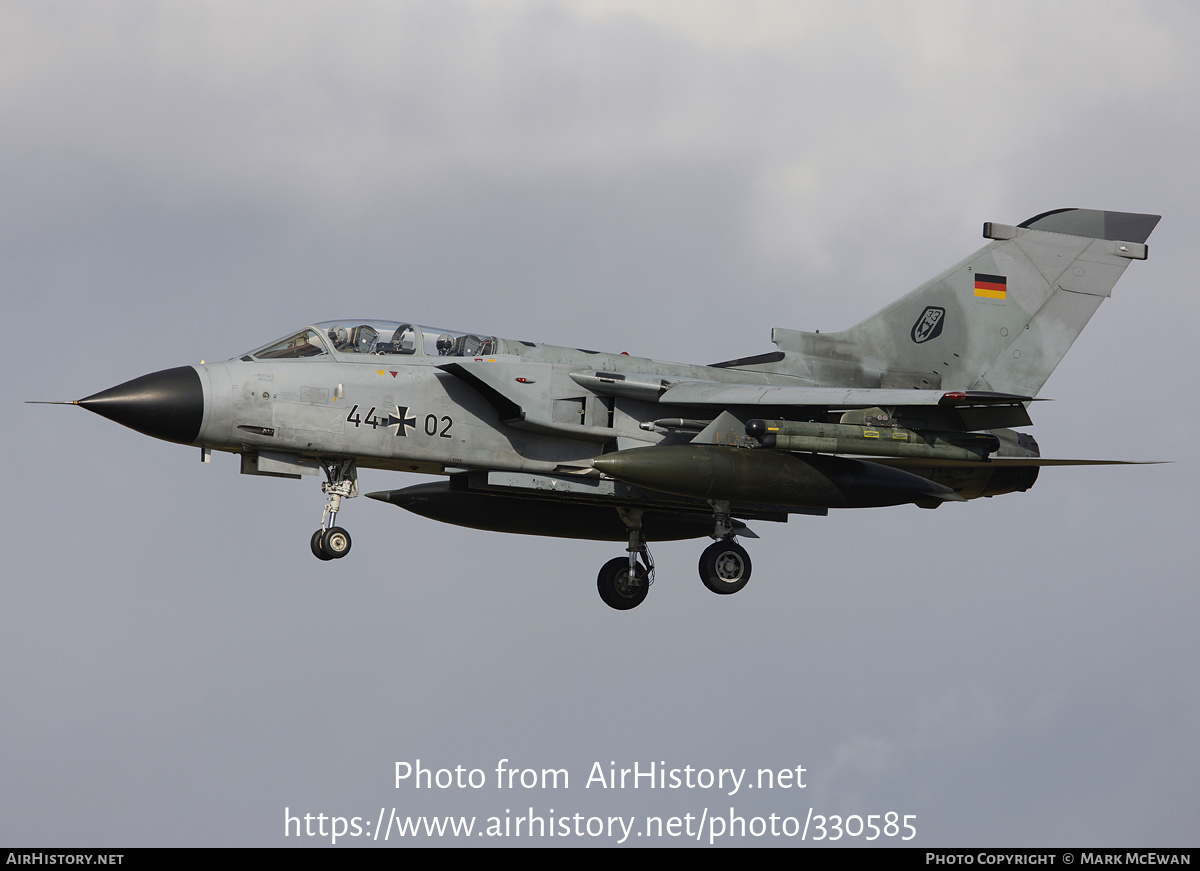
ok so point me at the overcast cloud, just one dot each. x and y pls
(185, 181)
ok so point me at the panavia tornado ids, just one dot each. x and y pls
(917, 404)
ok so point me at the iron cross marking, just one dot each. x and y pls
(402, 421)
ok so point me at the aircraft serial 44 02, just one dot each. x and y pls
(914, 405)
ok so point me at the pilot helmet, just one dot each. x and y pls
(444, 344)
(339, 336)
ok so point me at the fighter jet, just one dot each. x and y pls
(917, 404)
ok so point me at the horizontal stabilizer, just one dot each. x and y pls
(1010, 462)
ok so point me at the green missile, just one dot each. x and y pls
(881, 441)
(772, 477)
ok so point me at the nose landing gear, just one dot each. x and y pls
(330, 541)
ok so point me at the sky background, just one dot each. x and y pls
(186, 181)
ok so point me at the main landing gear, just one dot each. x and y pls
(725, 565)
(330, 541)
(623, 582)
(621, 587)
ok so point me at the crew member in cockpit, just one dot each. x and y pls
(340, 337)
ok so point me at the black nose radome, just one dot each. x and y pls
(167, 405)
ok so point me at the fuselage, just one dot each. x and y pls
(397, 407)
(391, 395)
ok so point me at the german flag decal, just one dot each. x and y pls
(991, 286)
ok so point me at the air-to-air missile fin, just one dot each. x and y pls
(726, 429)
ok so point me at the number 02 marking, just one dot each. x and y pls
(431, 426)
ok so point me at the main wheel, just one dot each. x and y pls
(335, 543)
(616, 588)
(725, 567)
(315, 545)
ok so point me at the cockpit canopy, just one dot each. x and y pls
(374, 338)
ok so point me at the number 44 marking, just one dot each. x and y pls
(371, 420)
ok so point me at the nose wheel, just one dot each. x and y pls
(330, 541)
(327, 544)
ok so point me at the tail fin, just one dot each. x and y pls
(1000, 320)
